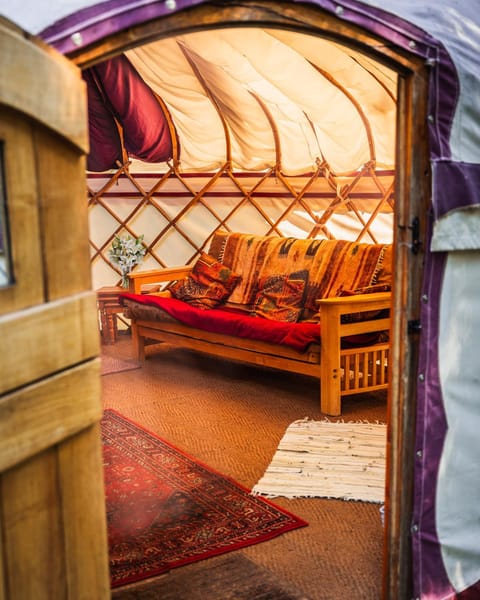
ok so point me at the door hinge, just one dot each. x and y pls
(416, 244)
(414, 326)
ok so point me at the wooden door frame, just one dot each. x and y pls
(413, 193)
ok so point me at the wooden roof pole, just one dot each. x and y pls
(201, 79)
(358, 108)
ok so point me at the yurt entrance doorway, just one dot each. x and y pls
(368, 180)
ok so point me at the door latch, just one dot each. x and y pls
(416, 243)
(414, 326)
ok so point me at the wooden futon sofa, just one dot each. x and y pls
(314, 307)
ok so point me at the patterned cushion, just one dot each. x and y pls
(280, 298)
(208, 284)
(363, 316)
(369, 314)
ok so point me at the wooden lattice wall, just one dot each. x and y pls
(178, 213)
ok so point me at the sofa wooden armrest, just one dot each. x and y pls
(140, 280)
(342, 370)
(356, 303)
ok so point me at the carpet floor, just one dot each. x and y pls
(234, 577)
(231, 417)
(166, 510)
(112, 364)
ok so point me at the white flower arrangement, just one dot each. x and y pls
(126, 252)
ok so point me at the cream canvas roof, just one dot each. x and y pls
(285, 107)
(304, 105)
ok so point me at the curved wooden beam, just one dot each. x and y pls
(356, 104)
(213, 100)
(271, 121)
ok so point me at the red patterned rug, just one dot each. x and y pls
(165, 509)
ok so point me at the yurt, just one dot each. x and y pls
(321, 121)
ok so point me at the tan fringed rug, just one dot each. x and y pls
(323, 459)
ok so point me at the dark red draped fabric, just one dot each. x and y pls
(116, 91)
(105, 142)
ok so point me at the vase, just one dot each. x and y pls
(125, 280)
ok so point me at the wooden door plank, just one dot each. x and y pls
(47, 90)
(33, 535)
(49, 411)
(63, 223)
(51, 337)
(83, 506)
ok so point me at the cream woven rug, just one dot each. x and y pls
(323, 459)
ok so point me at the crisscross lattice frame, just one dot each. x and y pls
(179, 212)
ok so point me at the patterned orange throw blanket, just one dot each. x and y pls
(329, 267)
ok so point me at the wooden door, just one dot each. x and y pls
(53, 541)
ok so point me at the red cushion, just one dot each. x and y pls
(218, 320)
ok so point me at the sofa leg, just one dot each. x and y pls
(330, 397)
(138, 343)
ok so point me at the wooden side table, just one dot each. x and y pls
(108, 307)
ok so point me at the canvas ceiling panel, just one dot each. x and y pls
(311, 116)
(386, 77)
(294, 91)
(234, 75)
(371, 85)
(164, 68)
(251, 137)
